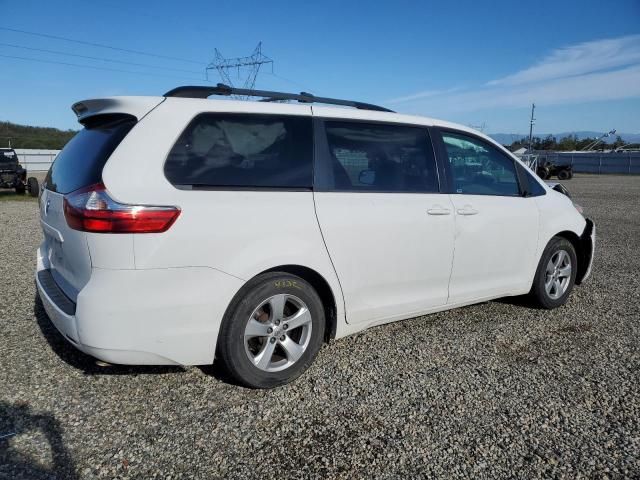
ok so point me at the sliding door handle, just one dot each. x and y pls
(467, 210)
(438, 210)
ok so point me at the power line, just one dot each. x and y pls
(58, 52)
(292, 82)
(98, 68)
(100, 45)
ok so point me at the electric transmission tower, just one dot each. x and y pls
(246, 68)
(481, 128)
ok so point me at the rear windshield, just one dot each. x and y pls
(243, 150)
(80, 162)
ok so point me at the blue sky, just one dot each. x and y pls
(466, 61)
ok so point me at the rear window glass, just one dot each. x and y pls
(243, 150)
(8, 157)
(81, 161)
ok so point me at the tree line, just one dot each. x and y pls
(568, 143)
(23, 136)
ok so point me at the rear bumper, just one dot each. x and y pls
(587, 250)
(143, 317)
(59, 308)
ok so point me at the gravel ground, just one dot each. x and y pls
(496, 390)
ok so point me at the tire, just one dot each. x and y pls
(33, 187)
(543, 173)
(20, 189)
(545, 292)
(246, 357)
(563, 175)
(570, 174)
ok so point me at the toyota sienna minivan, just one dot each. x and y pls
(183, 230)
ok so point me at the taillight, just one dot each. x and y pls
(91, 209)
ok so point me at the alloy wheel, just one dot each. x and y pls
(558, 274)
(278, 333)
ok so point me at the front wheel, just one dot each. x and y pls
(543, 173)
(272, 332)
(556, 274)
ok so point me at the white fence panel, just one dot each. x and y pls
(36, 160)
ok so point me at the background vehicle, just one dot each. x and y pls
(549, 169)
(13, 175)
(262, 229)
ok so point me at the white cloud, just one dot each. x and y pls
(579, 59)
(612, 85)
(606, 69)
(420, 95)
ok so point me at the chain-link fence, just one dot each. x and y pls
(628, 162)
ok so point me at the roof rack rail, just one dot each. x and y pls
(302, 97)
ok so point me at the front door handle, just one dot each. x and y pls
(467, 210)
(438, 210)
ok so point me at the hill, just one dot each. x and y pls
(23, 136)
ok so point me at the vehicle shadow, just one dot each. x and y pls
(18, 419)
(219, 373)
(81, 361)
(519, 301)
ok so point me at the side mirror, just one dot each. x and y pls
(558, 187)
(367, 177)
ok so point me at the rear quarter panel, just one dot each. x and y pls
(238, 232)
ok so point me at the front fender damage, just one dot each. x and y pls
(586, 251)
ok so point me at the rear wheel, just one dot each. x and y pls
(272, 332)
(33, 187)
(20, 189)
(556, 274)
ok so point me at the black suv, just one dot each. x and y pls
(12, 175)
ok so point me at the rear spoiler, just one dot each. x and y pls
(136, 106)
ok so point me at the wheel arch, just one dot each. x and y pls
(571, 236)
(582, 251)
(322, 287)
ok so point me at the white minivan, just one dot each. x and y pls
(182, 230)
